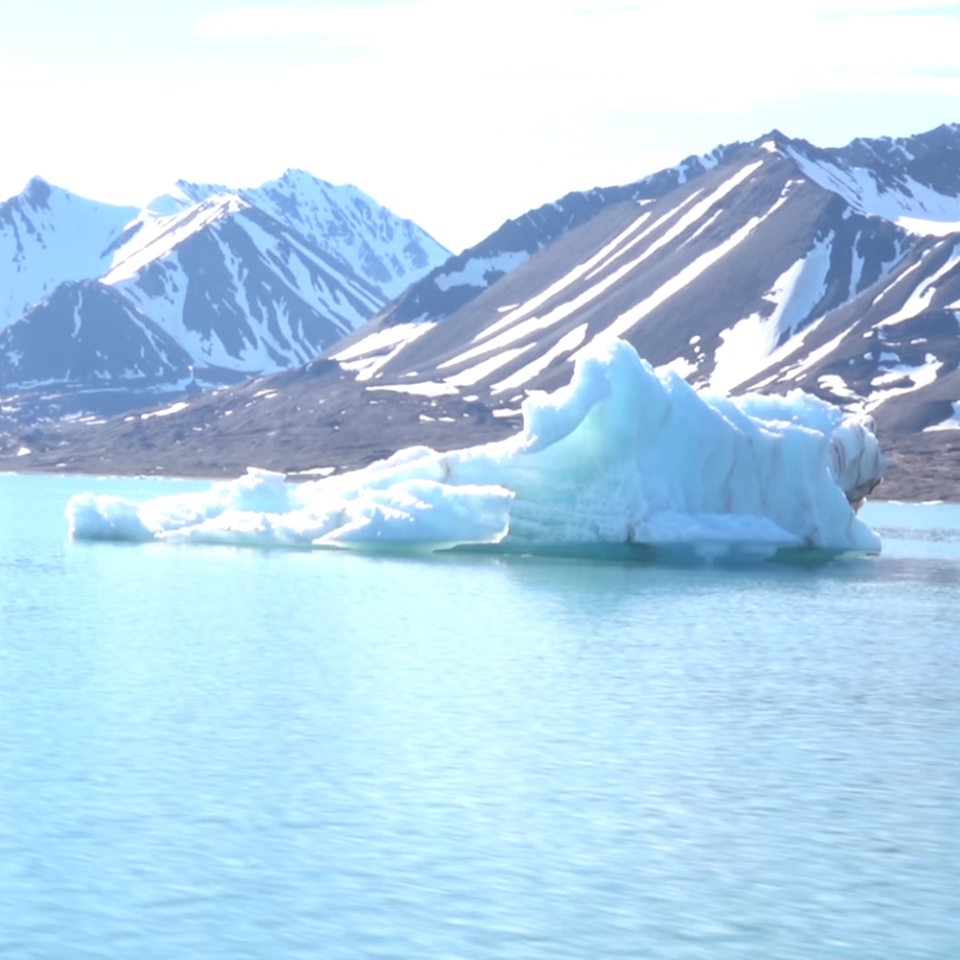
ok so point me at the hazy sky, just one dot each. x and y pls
(455, 113)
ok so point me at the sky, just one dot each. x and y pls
(458, 114)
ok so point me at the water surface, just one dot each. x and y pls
(212, 752)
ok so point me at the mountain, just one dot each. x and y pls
(229, 284)
(732, 278)
(466, 275)
(87, 333)
(49, 236)
(765, 266)
(342, 221)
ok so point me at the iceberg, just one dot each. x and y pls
(620, 462)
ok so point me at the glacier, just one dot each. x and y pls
(620, 462)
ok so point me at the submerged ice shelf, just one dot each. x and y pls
(620, 459)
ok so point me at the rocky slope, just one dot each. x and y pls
(771, 266)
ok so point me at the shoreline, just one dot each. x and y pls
(902, 488)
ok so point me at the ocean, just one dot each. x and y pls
(215, 752)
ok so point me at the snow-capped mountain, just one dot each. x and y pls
(770, 265)
(915, 180)
(780, 266)
(341, 221)
(86, 331)
(466, 275)
(49, 236)
(238, 282)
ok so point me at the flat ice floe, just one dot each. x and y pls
(619, 461)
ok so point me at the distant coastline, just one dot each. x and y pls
(913, 475)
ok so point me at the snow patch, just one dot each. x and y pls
(837, 386)
(951, 423)
(909, 200)
(426, 388)
(747, 346)
(679, 366)
(564, 346)
(166, 411)
(923, 293)
(481, 371)
(367, 356)
(629, 318)
(918, 376)
(476, 270)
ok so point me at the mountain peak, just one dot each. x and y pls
(296, 174)
(37, 192)
(295, 180)
(780, 142)
(776, 135)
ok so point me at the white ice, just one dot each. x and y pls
(619, 460)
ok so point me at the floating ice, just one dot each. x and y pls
(619, 460)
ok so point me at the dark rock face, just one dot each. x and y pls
(87, 335)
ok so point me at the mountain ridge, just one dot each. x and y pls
(239, 284)
(765, 265)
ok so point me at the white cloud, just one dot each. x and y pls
(460, 114)
(642, 55)
(342, 21)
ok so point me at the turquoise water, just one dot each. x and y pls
(214, 752)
